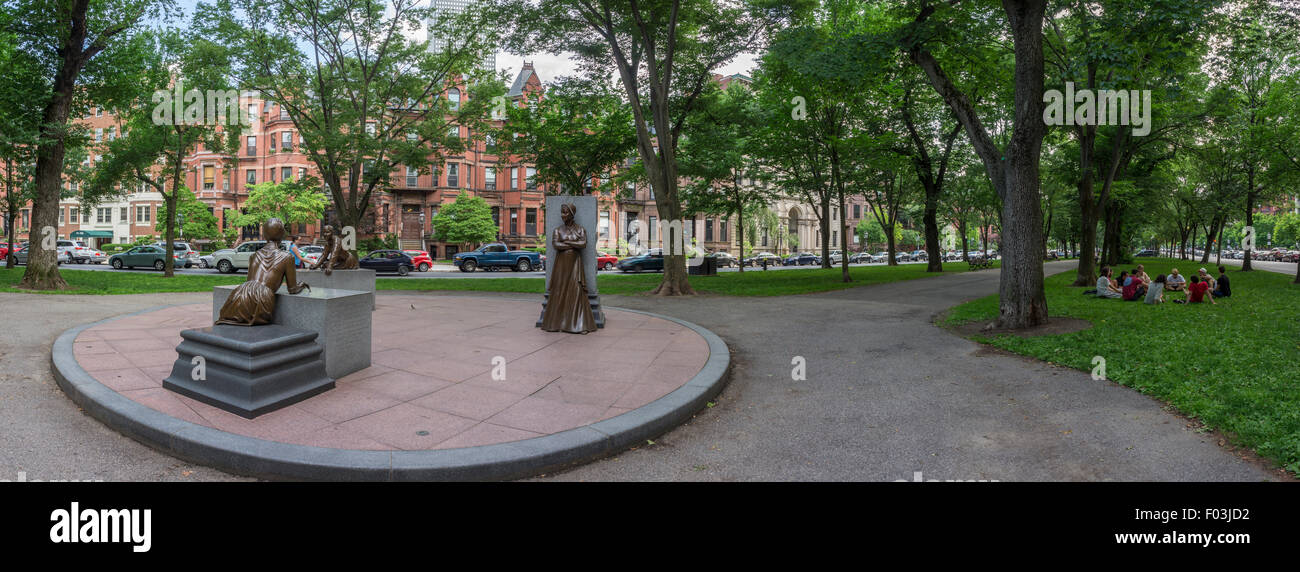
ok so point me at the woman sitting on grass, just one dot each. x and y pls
(1106, 288)
(1133, 288)
(1156, 293)
(1198, 291)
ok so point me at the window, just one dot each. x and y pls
(251, 177)
(252, 111)
(490, 143)
(26, 218)
(496, 216)
(286, 141)
(514, 221)
(722, 230)
(708, 230)
(654, 227)
(252, 145)
(209, 178)
(602, 227)
(412, 176)
(103, 215)
(99, 134)
(270, 175)
(286, 173)
(142, 214)
(60, 215)
(530, 222)
(531, 178)
(454, 131)
(857, 211)
(302, 173)
(99, 112)
(122, 215)
(453, 97)
(271, 144)
(453, 175)
(489, 178)
(284, 113)
(85, 215)
(835, 238)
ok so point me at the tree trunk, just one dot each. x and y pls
(931, 220)
(11, 205)
(844, 240)
(889, 243)
(1250, 221)
(965, 246)
(740, 233)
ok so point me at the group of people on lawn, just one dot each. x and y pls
(1138, 286)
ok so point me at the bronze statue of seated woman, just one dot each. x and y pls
(335, 256)
(253, 302)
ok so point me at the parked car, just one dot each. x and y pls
(919, 256)
(605, 261)
(20, 256)
(311, 254)
(861, 258)
(94, 256)
(4, 250)
(651, 260)
(388, 261)
(801, 259)
(423, 262)
(146, 255)
(182, 250)
(496, 255)
(205, 261)
(1147, 253)
(229, 260)
(757, 259)
(723, 259)
(77, 250)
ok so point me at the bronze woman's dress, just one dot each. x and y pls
(253, 302)
(567, 307)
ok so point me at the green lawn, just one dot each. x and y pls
(1235, 365)
(749, 283)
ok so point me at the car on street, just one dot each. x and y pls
(1147, 253)
(651, 260)
(147, 256)
(919, 256)
(757, 259)
(388, 261)
(206, 261)
(495, 255)
(605, 261)
(229, 260)
(861, 258)
(423, 262)
(801, 259)
(20, 256)
(181, 250)
(723, 259)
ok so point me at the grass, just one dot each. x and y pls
(749, 283)
(1234, 366)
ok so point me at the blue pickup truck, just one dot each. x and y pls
(496, 255)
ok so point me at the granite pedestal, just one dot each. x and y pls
(248, 371)
(340, 317)
(362, 279)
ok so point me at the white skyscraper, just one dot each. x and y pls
(447, 8)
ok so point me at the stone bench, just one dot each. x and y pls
(340, 317)
(361, 279)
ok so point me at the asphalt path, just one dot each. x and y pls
(887, 395)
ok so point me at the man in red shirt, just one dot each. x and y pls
(1196, 292)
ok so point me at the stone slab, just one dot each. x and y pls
(361, 279)
(248, 371)
(340, 317)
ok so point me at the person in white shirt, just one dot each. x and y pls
(1106, 288)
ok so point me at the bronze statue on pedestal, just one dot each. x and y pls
(567, 306)
(253, 302)
(335, 256)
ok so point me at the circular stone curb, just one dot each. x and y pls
(261, 458)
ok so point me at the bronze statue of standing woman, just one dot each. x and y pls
(567, 306)
(253, 302)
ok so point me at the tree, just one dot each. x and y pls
(467, 220)
(363, 96)
(194, 221)
(573, 133)
(160, 131)
(293, 202)
(20, 96)
(1012, 169)
(715, 157)
(664, 52)
(86, 49)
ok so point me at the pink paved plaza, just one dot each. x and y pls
(431, 383)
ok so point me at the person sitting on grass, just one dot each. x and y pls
(1205, 277)
(1196, 293)
(1175, 281)
(1141, 273)
(1106, 288)
(1156, 293)
(1133, 289)
(1225, 286)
